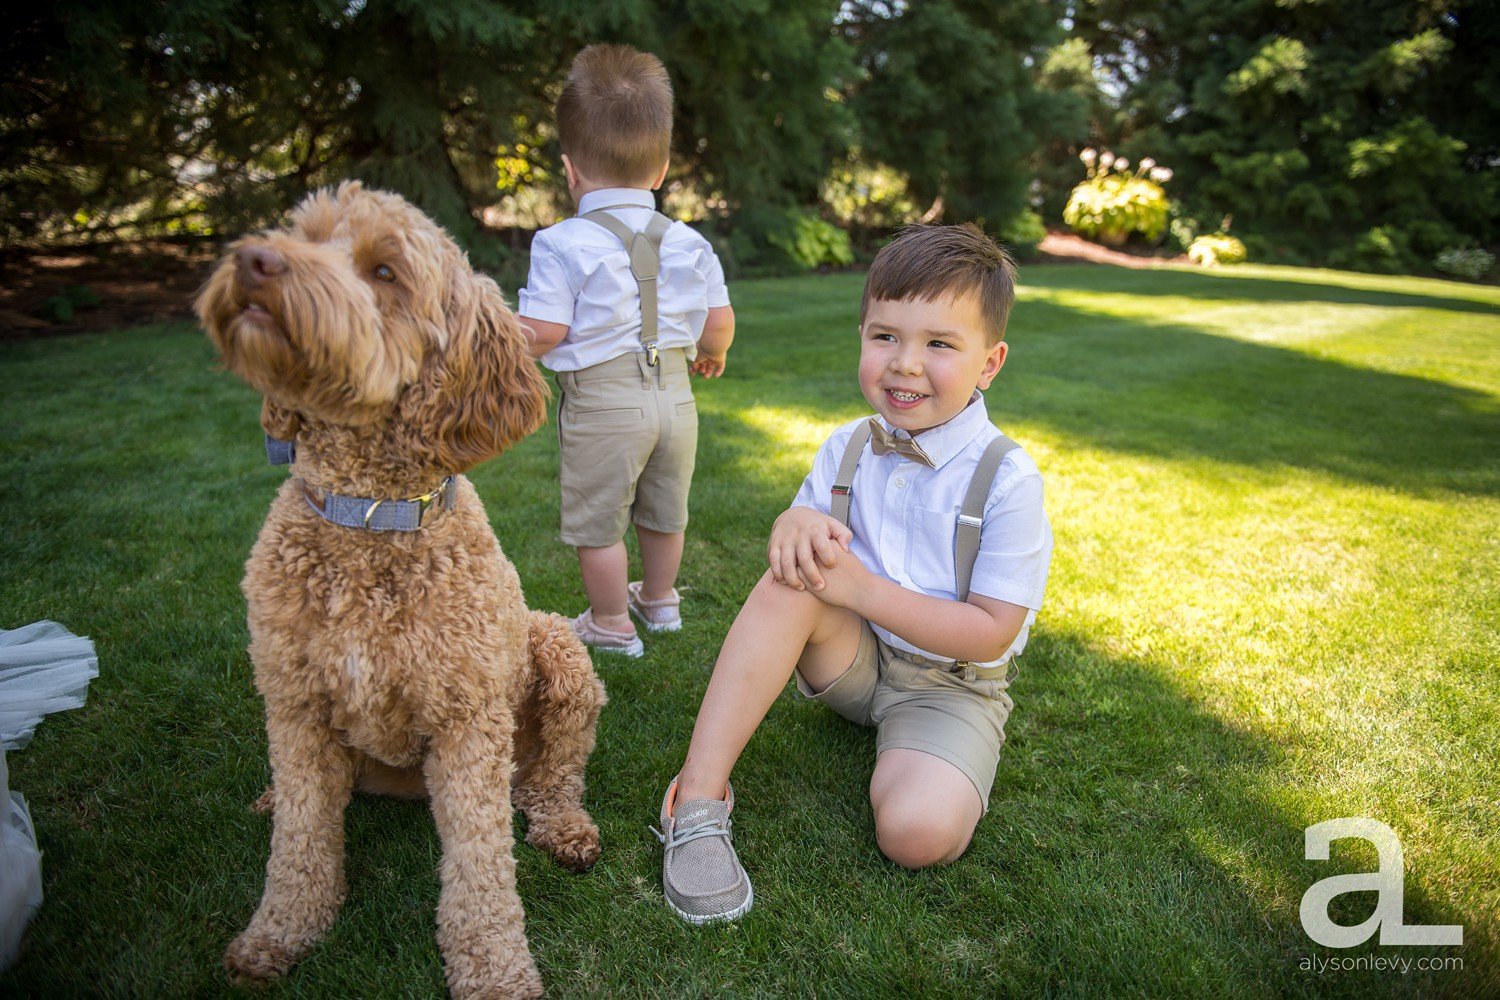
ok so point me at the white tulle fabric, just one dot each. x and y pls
(44, 668)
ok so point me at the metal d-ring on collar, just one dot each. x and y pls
(366, 512)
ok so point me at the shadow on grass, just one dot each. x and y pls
(1174, 391)
(1130, 840)
(1238, 286)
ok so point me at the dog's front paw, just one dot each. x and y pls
(573, 840)
(529, 990)
(252, 959)
(478, 982)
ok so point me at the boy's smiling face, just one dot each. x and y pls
(920, 360)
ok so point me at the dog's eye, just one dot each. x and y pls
(383, 272)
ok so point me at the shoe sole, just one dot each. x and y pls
(652, 626)
(715, 918)
(635, 650)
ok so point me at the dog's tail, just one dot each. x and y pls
(562, 673)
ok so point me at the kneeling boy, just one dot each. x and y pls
(881, 595)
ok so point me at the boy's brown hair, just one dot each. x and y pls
(614, 118)
(932, 262)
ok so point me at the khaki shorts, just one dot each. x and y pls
(923, 708)
(628, 437)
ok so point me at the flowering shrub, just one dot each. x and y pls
(1468, 263)
(1112, 203)
(1220, 248)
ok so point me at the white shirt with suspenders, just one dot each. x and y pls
(905, 516)
(582, 278)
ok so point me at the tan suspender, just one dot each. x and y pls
(843, 483)
(644, 249)
(970, 516)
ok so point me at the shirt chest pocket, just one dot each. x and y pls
(929, 551)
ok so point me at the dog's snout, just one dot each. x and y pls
(255, 265)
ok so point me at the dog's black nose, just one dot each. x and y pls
(254, 265)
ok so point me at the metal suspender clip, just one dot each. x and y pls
(973, 522)
(651, 355)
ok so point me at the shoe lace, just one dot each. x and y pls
(705, 828)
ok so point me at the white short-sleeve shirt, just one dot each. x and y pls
(580, 277)
(904, 516)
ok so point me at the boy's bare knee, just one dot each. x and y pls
(915, 838)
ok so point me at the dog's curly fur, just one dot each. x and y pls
(404, 663)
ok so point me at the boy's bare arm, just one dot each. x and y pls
(980, 629)
(713, 345)
(541, 336)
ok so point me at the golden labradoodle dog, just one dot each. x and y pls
(392, 646)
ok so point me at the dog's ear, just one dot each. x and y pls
(281, 422)
(480, 394)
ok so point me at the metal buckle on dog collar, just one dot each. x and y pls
(439, 499)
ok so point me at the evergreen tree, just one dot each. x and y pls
(950, 96)
(758, 119)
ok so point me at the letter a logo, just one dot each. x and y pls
(1387, 881)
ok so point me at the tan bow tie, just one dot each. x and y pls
(883, 442)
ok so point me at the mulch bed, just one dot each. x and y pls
(146, 282)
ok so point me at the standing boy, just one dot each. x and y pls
(896, 594)
(619, 302)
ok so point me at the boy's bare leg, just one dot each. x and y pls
(777, 629)
(661, 557)
(603, 571)
(925, 808)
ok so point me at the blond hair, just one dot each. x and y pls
(931, 262)
(614, 118)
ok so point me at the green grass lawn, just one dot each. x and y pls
(1273, 602)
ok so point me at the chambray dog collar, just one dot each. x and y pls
(366, 512)
(279, 452)
(410, 514)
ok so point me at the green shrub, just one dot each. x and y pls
(1220, 248)
(82, 296)
(1112, 204)
(868, 195)
(1468, 263)
(1184, 230)
(1022, 234)
(810, 242)
(1382, 250)
(60, 308)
